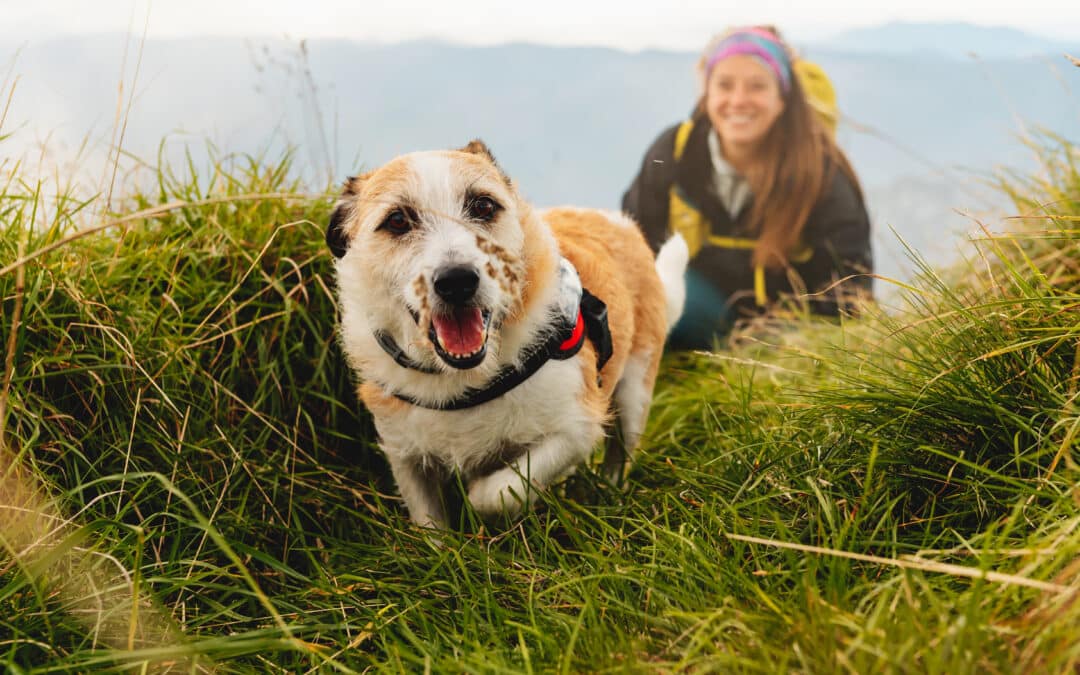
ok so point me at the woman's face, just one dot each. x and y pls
(743, 100)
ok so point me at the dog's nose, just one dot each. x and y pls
(456, 285)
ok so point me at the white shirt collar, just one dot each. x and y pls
(728, 184)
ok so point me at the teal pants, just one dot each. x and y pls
(704, 318)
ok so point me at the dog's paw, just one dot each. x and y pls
(502, 493)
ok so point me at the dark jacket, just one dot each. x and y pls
(837, 231)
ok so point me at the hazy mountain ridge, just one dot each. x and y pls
(953, 39)
(570, 124)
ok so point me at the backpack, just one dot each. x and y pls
(819, 91)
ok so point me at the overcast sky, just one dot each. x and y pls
(626, 24)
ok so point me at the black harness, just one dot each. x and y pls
(559, 345)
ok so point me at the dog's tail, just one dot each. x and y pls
(671, 263)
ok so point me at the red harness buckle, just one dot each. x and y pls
(576, 336)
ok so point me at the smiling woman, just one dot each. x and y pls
(755, 183)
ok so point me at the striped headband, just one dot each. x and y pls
(759, 43)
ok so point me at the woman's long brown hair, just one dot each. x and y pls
(798, 158)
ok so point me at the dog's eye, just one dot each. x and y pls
(482, 208)
(397, 222)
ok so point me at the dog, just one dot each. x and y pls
(492, 340)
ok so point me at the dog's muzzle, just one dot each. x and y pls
(459, 330)
(456, 285)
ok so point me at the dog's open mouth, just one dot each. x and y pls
(460, 337)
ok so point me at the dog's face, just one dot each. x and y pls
(430, 250)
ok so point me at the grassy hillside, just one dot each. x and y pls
(189, 485)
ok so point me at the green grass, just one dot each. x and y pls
(189, 483)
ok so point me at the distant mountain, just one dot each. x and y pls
(569, 124)
(954, 40)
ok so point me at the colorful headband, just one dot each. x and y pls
(759, 43)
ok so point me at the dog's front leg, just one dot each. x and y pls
(421, 486)
(509, 489)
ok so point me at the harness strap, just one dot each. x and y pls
(386, 341)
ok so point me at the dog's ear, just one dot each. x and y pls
(478, 147)
(335, 231)
(352, 185)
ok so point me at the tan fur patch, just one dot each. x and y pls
(540, 263)
(379, 402)
(594, 398)
(421, 290)
(506, 273)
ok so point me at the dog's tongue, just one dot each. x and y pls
(462, 332)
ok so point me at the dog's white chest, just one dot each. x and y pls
(546, 403)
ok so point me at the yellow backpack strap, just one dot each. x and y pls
(761, 295)
(687, 221)
(681, 137)
(819, 91)
(682, 216)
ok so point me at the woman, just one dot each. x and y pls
(754, 181)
